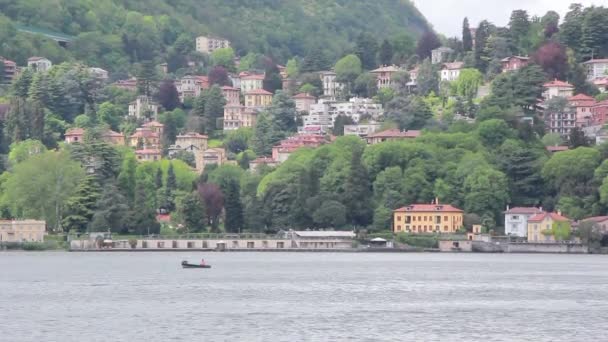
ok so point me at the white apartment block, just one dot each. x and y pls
(206, 44)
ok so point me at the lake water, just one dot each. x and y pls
(59, 296)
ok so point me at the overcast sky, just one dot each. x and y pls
(447, 15)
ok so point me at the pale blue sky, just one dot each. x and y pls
(447, 15)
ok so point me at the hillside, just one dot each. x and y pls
(112, 33)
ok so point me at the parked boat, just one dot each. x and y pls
(185, 264)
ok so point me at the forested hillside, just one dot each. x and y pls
(112, 34)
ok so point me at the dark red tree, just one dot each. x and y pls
(167, 95)
(553, 59)
(218, 75)
(551, 29)
(427, 43)
(213, 198)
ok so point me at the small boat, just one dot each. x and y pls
(185, 264)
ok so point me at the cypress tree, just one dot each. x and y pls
(233, 208)
(81, 206)
(21, 86)
(358, 192)
(214, 108)
(386, 53)
(158, 181)
(467, 39)
(146, 78)
(193, 212)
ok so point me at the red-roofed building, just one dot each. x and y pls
(540, 226)
(155, 127)
(251, 82)
(557, 88)
(384, 75)
(601, 222)
(258, 98)
(74, 135)
(555, 149)
(144, 138)
(148, 155)
(10, 70)
(304, 101)
(112, 137)
(256, 163)
(516, 220)
(514, 63)
(427, 218)
(599, 113)
(601, 84)
(232, 95)
(285, 148)
(451, 71)
(391, 134)
(582, 103)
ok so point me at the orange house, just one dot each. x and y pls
(427, 218)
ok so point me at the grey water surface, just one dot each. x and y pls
(60, 296)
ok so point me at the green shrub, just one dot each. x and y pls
(422, 241)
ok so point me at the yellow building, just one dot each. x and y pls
(258, 98)
(22, 230)
(427, 218)
(540, 226)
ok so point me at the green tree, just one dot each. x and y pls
(365, 48)
(80, 208)
(385, 56)
(142, 215)
(348, 68)
(486, 192)
(223, 57)
(428, 78)
(110, 114)
(40, 187)
(494, 132)
(233, 207)
(192, 211)
(283, 111)
(482, 34)
(292, 68)
(214, 102)
(126, 178)
(262, 140)
(340, 122)
(21, 151)
(468, 83)
(467, 39)
(519, 26)
(358, 192)
(330, 214)
(112, 211)
(147, 78)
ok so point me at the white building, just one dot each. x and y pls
(143, 106)
(516, 220)
(319, 116)
(39, 64)
(440, 54)
(357, 107)
(331, 87)
(206, 44)
(99, 73)
(557, 88)
(361, 130)
(250, 82)
(191, 86)
(596, 69)
(451, 71)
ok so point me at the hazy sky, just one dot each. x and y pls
(447, 15)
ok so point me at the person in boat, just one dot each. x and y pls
(202, 262)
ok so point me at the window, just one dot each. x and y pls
(280, 244)
(445, 218)
(437, 219)
(160, 244)
(398, 218)
(190, 244)
(250, 244)
(445, 228)
(398, 228)
(515, 217)
(408, 219)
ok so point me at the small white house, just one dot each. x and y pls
(516, 220)
(451, 71)
(39, 64)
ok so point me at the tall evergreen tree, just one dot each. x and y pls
(81, 207)
(262, 140)
(193, 212)
(358, 192)
(143, 216)
(519, 26)
(482, 35)
(233, 208)
(112, 211)
(365, 48)
(147, 78)
(214, 108)
(158, 180)
(426, 44)
(385, 55)
(21, 86)
(170, 188)
(467, 39)
(571, 30)
(283, 110)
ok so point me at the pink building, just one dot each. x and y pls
(232, 95)
(384, 75)
(74, 135)
(130, 84)
(582, 104)
(148, 155)
(514, 63)
(557, 88)
(285, 148)
(599, 113)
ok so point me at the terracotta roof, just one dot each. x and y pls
(230, 88)
(542, 216)
(596, 219)
(453, 66)
(601, 81)
(557, 148)
(258, 92)
(74, 131)
(395, 133)
(581, 97)
(558, 83)
(524, 210)
(428, 207)
(144, 133)
(252, 77)
(592, 61)
(303, 96)
(33, 59)
(192, 135)
(153, 124)
(390, 68)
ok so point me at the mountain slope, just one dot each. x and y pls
(112, 33)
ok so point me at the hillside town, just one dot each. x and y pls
(233, 141)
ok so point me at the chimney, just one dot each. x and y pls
(559, 212)
(436, 200)
(541, 209)
(507, 207)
